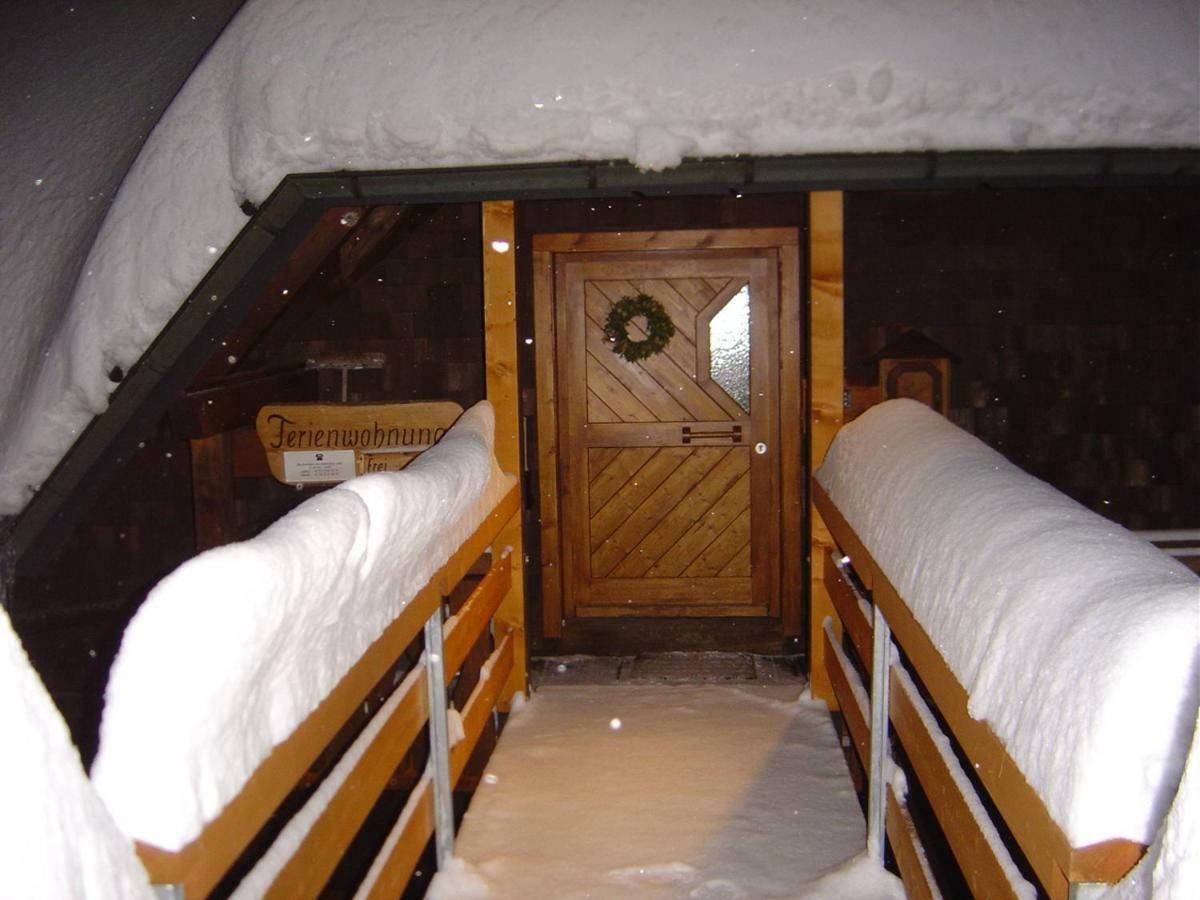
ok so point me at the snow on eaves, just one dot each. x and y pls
(305, 85)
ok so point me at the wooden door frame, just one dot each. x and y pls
(786, 242)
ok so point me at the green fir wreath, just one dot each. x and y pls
(659, 327)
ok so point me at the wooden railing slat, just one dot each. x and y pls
(318, 853)
(845, 536)
(457, 567)
(978, 857)
(840, 675)
(465, 626)
(479, 705)
(402, 851)
(1026, 816)
(394, 865)
(845, 601)
(919, 883)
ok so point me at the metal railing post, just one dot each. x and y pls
(439, 740)
(877, 789)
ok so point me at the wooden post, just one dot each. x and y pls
(500, 353)
(212, 490)
(826, 351)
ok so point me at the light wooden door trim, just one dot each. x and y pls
(777, 248)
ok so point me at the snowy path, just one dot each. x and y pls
(659, 791)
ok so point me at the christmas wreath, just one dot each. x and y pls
(659, 327)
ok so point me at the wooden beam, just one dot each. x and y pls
(826, 274)
(359, 248)
(235, 404)
(844, 537)
(249, 457)
(547, 437)
(711, 239)
(792, 390)
(212, 491)
(500, 354)
(1049, 853)
(330, 230)
(478, 708)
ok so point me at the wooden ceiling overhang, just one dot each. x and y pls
(230, 298)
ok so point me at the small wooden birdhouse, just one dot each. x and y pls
(916, 367)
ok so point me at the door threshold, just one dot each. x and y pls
(631, 636)
(675, 667)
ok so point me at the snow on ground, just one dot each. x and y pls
(307, 85)
(233, 649)
(1076, 641)
(643, 791)
(56, 838)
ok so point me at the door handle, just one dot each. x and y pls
(734, 434)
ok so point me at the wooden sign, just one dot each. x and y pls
(324, 443)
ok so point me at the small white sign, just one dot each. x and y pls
(318, 466)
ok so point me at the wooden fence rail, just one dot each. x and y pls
(855, 584)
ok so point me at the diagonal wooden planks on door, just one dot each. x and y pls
(665, 473)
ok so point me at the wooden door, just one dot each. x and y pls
(668, 468)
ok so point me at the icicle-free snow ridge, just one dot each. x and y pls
(1076, 641)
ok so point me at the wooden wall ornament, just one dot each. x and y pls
(325, 443)
(916, 367)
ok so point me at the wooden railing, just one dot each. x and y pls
(302, 858)
(1181, 543)
(866, 602)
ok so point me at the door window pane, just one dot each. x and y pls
(729, 348)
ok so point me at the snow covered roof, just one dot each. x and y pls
(308, 86)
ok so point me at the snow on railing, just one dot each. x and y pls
(248, 660)
(1008, 599)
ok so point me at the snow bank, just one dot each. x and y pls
(861, 878)
(56, 838)
(307, 85)
(1075, 640)
(233, 649)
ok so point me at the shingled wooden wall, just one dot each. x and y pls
(419, 303)
(1076, 314)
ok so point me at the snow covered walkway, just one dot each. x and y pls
(664, 791)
